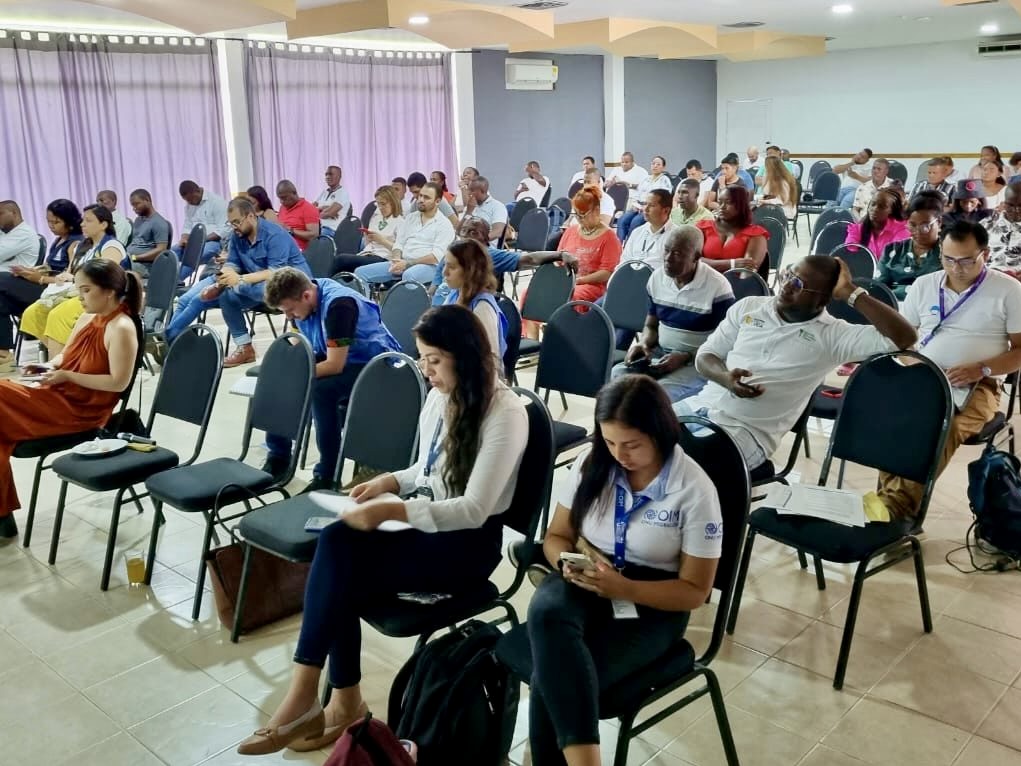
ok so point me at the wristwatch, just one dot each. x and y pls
(855, 295)
(987, 372)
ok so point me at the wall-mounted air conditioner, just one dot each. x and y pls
(1004, 45)
(530, 74)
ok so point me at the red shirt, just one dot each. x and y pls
(715, 249)
(298, 216)
(600, 254)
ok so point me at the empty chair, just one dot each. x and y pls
(745, 283)
(619, 194)
(348, 236)
(404, 303)
(575, 188)
(859, 260)
(898, 172)
(818, 168)
(627, 299)
(533, 231)
(825, 189)
(319, 254)
(922, 173)
(828, 216)
(563, 203)
(769, 211)
(829, 238)
(355, 282)
(777, 242)
(550, 288)
(521, 209)
(159, 294)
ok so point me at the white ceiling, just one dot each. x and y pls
(874, 23)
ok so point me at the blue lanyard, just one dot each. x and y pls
(434, 449)
(621, 518)
(944, 315)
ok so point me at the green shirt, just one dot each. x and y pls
(678, 218)
(898, 267)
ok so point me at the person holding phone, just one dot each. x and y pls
(652, 517)
(379, 236)
(472, 434)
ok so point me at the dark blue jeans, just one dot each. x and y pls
(579, 649)
(330, 396)
(353, 570)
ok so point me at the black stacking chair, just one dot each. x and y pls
(775, 245)
(367, 212)
(873, 429)
(282, 405)
(521, 209)
(829, 237)
(564, 204)
(746, 283)
(512, 336)
(619, 194)
(898, 172)
(720, 458)
(627, 299)
(825, 189)
(1000, 421)
(860, 261)
(826, 217)
(533, 231)
(387, 398)
(192, 256)
(575, 188)
(818, 168)
(550, 288)
(159, 295)
(355, 282)
(319, 255)
(348, 237)
(186, 392)
(401, 308)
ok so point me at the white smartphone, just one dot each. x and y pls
(578, 560)
(319, 523)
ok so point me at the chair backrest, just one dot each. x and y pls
(879, 291)
(367, 213)
(549, 289)
(826, 187)
(818, 168)
(535, 476)
(192, 255)
(513, 334)
(402, 306)
(745, 283)
(353, 281)
(319, 255)
(828, 216)
(348, 237)
(922, 173)
(619, 194)
(160, 291)
(718, 455)
(859, 260)
(520, 209)
(533, 231)
(575, 188)
(801, 166)
(627, 299)
(544, 202)
(282, 403)
(777, 242)
(577, 350)
(898, 172)
(387, 398)
(874, 428)
(41, 257)
(563, 203)
(829, 237)
(769, 211)
(190, 379)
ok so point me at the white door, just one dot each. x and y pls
(749, 122)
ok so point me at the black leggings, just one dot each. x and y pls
(579, 649)
(16, 295)
(347, 262)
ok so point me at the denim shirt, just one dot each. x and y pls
(273, 248)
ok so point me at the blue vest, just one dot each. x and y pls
(491, 300)
(371, 336)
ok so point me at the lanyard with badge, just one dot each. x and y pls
(621, 518)
(944, 315)
(431, 457)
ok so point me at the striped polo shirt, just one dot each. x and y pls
(688, 314)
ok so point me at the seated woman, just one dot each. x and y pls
(380, 234)
(905, 261)
(992, 154)
(883, 225)
(596, 247)
(780, 188)
(732, 239)
(258, 196)
(663, 563)
(87, 379)
(472, 434)
(52, 318)
(968, 204)
(468, 271)
(993, 183)
(22, 286)
(439, 178)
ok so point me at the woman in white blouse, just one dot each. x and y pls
(379, 235)
(647, 518)
(472, 434)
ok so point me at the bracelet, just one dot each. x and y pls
(732, 261)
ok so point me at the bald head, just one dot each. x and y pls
(287, 193)
(476, 229)
(479, 189)
(10, 215)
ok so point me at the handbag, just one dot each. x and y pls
(276, 586)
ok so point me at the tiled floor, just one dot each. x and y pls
(125, 677)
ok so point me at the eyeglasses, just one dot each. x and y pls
(797, 283)
(960, 263)
(924, 228)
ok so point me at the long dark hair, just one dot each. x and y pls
(108, 275)
(104, 216)
(458, 331)
(638, 402)
(477, 268)
(740, 198)
(896, 213)
(68, 212)
(262, 201)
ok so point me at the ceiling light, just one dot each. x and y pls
(744, 24)
(989, 29)
(418, 20)
(842, 8)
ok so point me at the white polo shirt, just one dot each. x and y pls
(18, 247)
(977, 331)
(491, 211)
(328, 197)
(635, 176)
(688, 314)
(646, 245)
(789, 359)
(533, 189)
(682, 516)
(417, 238)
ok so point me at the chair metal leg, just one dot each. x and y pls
(623, 739)
(563, 400)
(742, 573)
(802, 561)
(820, 578)
(200, 579)
(57, 522)
(27, 537)
(157, 521)
(923, 588)
(272, 327)
(239, 606)
(722, 721)
(849, 621)
(840, 474)
(808, 448)
(111, 540)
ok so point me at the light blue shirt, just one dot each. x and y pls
(211, 212)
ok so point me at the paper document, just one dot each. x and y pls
(341, 504)
(837, 505)
(244, 386)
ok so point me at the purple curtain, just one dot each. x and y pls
(377, 116)
(79, 114)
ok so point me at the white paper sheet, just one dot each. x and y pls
(837, 505)
(341, 504)
(244, 386)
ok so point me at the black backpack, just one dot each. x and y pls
(994, 491)
(455, 700)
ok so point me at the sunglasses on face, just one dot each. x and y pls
(788, 277)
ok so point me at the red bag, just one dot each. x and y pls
(369, 742)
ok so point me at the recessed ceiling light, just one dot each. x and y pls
(842, 8)
(989, 29)
(744, 24)
(418, 20)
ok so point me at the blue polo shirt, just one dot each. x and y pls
(273, 248)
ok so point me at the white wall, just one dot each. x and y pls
(942, 99)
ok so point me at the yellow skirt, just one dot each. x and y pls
(41, 322)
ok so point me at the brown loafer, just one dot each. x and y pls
(244, 355)
(276, 738)
(330, 734)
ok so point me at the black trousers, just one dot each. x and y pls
(16, 295)
(348, 262)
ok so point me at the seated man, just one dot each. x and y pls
(108, 199)
(937, 173)
(203, 207)
(150, 233)
(646, 242)
(588, 162)
(687, 208)
(333, 202)
(687, 300)
(534, 185)
(855, 172)
(880, 179)
(415, 183)
(345, 332)
(751, 159)
(769, 354)
(1004, 227)
(481, 204)
(421, 243)
(773, 151)
(297, 215)
(257, 249)
(969, 321)
(19, 244)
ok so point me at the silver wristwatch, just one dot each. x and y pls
(855, 295)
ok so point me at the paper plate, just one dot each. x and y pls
(100, 448)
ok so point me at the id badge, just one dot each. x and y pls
(424, 491)
(624, 610)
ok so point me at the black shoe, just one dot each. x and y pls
(8, 527)
(319, 483)
(276, 467)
